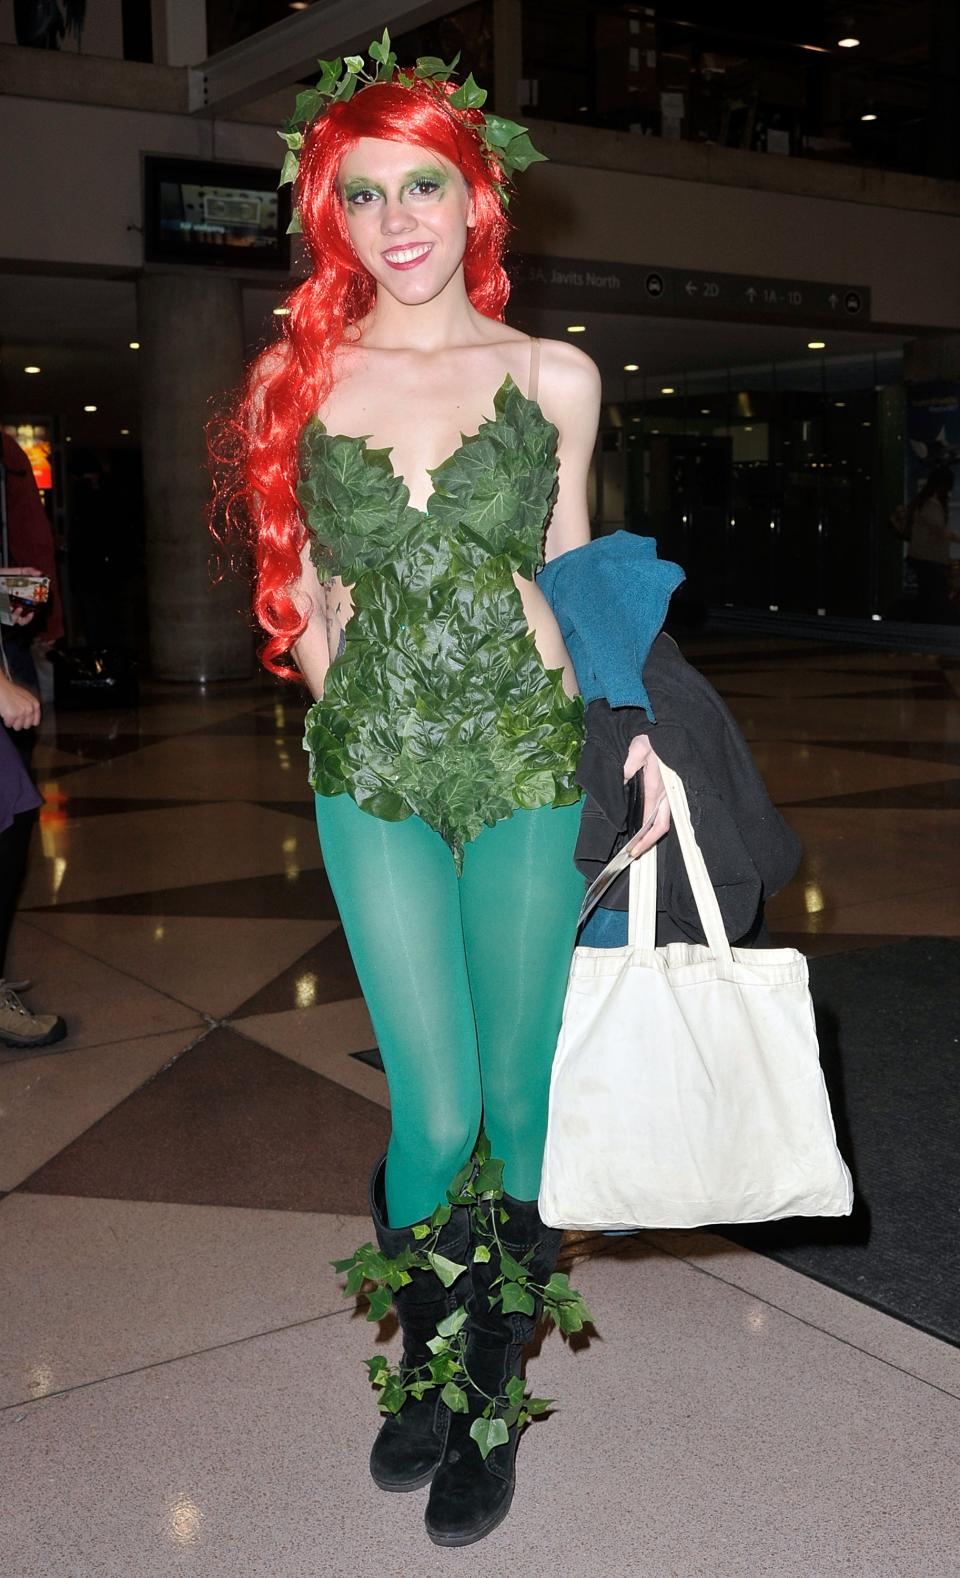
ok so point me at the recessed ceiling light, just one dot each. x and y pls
(748, 430)
(124, 432)
(631, 367)
(69, 438)
(868, 115)
(840, 404)
(298, 5)
(576, 328)
(31, 369)
(704, 410)
(281, 312)
(848, 43)
(134, 345)
(816, 345)
(89, 408)
(668, 389)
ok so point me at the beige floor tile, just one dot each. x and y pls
(211, 964)
(869, 1329)
(136, 851)
(322, 1038)
(855, 857)
(45, 1102)
(195, 766)
(707, 1435)
(805, 770)
(92, 1288)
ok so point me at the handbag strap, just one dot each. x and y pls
(643, 879)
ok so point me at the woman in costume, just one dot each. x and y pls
(410, 463)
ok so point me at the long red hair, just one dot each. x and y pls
(254, 448)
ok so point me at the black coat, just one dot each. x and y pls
(749, 851)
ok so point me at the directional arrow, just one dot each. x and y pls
(690, 288)
(751, 293)
(834, 300)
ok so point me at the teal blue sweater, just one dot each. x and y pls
(610, 600)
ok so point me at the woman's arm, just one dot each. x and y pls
(19, 708)
(311, 652)
(571, 399)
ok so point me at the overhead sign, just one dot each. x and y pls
(636, 287)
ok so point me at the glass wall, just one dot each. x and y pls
(771, 485)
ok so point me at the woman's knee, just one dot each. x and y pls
(435, 1144)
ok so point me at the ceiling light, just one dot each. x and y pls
(69, 438)
(816, 345)
(576, 328)
(748, 430)
(134, 345)
(281, 312)
(704, 410)
(89, 408)
(124, 432)
(31, 369)
(298, 5)
(840, 404)
(848, 43)
(668, 389)
(869, 115)
(631, 367)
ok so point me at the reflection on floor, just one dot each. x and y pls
(181, 1388)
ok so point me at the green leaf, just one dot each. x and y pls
(292, 138)
(539, 1405)
(421, 1230)
(504, 1216)
(481, 1151)
(489, 1180)
(481, 1255)
(515, 1390)
(447, 1270)
(517, 1299)
(353, 63)
(512, 1269)
(451, 1324)
(392, 1397)
(489, 1433)
(443, 1368)
(433, 67)
(469, 96)
(344, 1265)
(378, 1369)
(295, 227)
(441, 1216)
(558, 1287)
(380, 1302)
(355, 1281)
(568, 1318)
(291, 165)
(438, 1344)
(308, 104)
(455, 1398)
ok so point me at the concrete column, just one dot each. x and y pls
(179, 32)
(191, 334)
(507, 57)
(930, 359)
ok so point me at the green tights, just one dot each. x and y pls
(464, 979)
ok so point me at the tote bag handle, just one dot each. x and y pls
(642, 927)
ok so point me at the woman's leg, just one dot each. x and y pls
(520, 898)
(397, 893)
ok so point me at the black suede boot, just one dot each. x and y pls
(470, 1496)
(409, 1444)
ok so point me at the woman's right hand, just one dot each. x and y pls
(19, 708)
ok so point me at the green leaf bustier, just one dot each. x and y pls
(439, 703)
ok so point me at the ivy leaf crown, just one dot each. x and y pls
(506, 145)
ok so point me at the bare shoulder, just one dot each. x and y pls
(568, 373)
(569, 388)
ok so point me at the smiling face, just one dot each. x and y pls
(408, 212)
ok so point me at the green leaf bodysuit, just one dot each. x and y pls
(439, 703)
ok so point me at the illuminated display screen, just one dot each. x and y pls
(203, 212)
(35, 440)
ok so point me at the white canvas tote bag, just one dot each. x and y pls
(686, 1085)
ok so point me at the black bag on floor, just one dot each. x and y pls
(87, 678)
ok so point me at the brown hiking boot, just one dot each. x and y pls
(20, 1028)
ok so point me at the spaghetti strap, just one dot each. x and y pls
(533, 380)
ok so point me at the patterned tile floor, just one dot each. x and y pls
(180, 1389)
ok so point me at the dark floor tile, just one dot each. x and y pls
(371, 1057)
(947, 751)
(104, 747)
(277, 897)
(77, 805)
(228, 1123)
(303, 808)
(333, 979)
(817, 945)
(259, 724)
(942, 796)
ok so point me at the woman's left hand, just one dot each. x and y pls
(641, 757)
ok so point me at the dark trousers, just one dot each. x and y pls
(14, 843)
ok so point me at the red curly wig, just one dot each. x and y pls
(254, 448)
